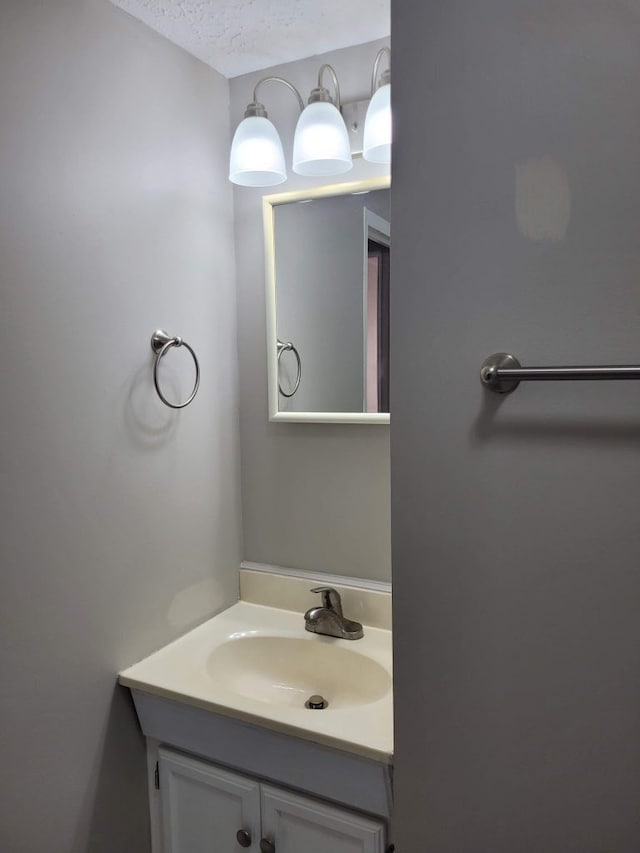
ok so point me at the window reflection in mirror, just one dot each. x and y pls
(328, 267)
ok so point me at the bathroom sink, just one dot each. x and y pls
(288, 670)
(258, 664)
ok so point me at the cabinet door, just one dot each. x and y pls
(203, 807)
(296, 824)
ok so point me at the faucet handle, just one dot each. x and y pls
(330, 598)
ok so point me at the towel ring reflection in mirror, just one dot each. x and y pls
(282, 347)
(161, 343)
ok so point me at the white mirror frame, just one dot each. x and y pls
(269, 202)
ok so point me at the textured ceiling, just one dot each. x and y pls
(239, 36)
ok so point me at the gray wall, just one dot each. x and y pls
(120, 519)
(516, 206)
(320, 293)
(315, 496)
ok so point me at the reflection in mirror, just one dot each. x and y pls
(328, 283)
(376, 341)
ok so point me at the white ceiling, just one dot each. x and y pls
(239, 36)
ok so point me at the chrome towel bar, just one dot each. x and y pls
(502, 373)
(161, 343)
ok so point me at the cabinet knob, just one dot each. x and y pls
(267, 846)
(243, 838)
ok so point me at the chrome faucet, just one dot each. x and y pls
(329, 619)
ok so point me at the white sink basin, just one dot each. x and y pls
(288, 670)
(259, 665)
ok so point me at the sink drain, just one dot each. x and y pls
(316, 703)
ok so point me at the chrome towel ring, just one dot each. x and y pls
(161, 343)
(282, 347)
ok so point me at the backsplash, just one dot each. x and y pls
(368, 602)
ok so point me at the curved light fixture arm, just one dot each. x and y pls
(278, 80)
(336, 85)
(386, 76)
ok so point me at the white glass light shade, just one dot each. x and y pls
(321, 144)
(377, 127)
(257, 158)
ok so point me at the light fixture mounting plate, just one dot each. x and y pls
(354, 114)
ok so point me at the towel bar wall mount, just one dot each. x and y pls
(502, 373)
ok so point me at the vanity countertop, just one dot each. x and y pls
(258, 664)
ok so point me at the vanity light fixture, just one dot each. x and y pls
(377, 125)
(257, 158)
(321, 145)
(321, 142)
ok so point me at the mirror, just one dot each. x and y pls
(327, 253)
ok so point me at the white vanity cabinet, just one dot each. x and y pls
(295, 824)
(224, 758)
(203, 807)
